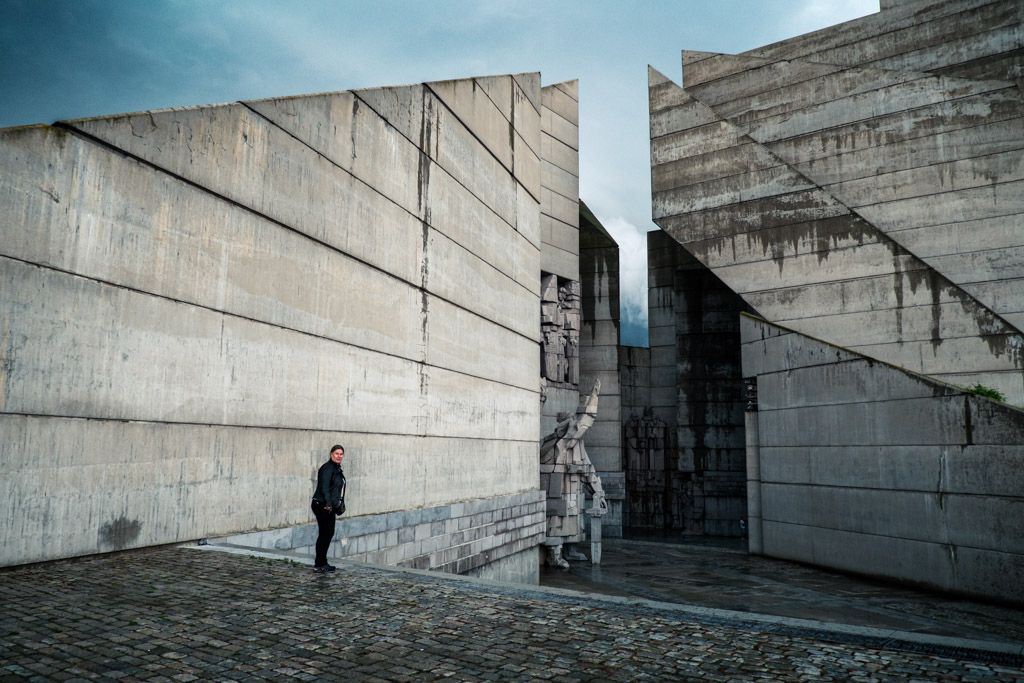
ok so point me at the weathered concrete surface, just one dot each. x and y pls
(867, 468)
(687, 474)
(198, 302)
(878, 160)
(599, 358)
(559, 188)
(558, 235)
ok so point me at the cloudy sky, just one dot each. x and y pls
(76, 58)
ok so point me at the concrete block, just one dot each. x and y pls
(780, 353)
(949, 140)
(526, 113)
(911, 422)
(464, 342)
(119, 485)
(560, 128)
(559, 233)
(993, 574)
(528, 219)
(564, 211)
(526, 165)
(682, 116)
(270, 183)
(454, 274)
(906, 468)
(716, 164)
(891, 99)
(529, 84)
(560, 262)
(985, 522)
(994, 470)
(211, 367)
(600, 333)
(559, 154)
(754, 184)
(479, 113)
(467, 221)
(796, 207)
(400, 106)
(468, 161)
(923, 563)
(559, 180)
(561, 102)
(845, 382)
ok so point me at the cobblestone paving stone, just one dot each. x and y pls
(186, 615)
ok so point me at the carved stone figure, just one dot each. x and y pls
(560, 330)
(565, 469)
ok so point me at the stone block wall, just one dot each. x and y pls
(494, 538)
(198, 302)
(867, 468)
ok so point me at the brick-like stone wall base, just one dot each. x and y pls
(456, 538)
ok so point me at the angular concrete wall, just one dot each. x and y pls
(599, 359)
(559, 214)
(863, 184)
(560, 180)
(198, 302)
(868, 468)
(698, 485)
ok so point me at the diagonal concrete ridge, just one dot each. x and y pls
(789, 246)
(948, 184)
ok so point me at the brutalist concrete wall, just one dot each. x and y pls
(868, 468)
(559, 219)
(196, 303)
(663, 259)
(635, 398)
(686, 461)
(863, 183)
(709, 495)
(599, 360)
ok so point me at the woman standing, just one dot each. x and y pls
(328, 501)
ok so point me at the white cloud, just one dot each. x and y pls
(632, 243)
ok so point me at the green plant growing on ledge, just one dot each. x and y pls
(987, 392)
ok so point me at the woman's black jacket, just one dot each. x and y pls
(330, 485)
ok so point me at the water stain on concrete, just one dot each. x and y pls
(120, 533)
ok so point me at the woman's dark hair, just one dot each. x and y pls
(336, 447)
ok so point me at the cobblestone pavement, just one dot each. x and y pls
(186, 614)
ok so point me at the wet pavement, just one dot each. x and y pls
(718, 573)
(201, 613)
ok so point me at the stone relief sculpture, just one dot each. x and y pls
(565, 471)
(560, 330)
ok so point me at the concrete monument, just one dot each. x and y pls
(567, 475)
(862, 196)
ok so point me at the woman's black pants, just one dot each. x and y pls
(325, 525)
